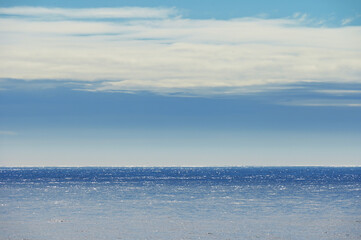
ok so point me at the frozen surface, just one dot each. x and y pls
(180, 203)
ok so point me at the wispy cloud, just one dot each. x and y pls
(166, 54)
(91, 13)
(338, 91)
(322, 103)
(8, 133)
(346, 21)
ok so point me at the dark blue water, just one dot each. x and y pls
(180, 203)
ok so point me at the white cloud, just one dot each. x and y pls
(94, 13)
(323, 103)
(338, 91)
(175, 54)
(346, 21)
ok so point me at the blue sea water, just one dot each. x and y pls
(180, 203)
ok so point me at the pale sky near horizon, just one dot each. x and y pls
(180, 83)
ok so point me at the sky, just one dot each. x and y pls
(180, 83)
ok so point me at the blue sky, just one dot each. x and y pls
(323, 9)
(180, 83)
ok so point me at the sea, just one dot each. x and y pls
(95, 203)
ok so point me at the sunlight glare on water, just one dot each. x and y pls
(180, 203)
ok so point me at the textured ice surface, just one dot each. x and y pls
(180, 203)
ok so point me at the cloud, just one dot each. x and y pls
(167, 55)
(322, 103)
(338, 91)
(346, 21)
(91, 13)
(8, 133)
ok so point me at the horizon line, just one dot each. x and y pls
(185, 166)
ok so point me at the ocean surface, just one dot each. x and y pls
(180, 203)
